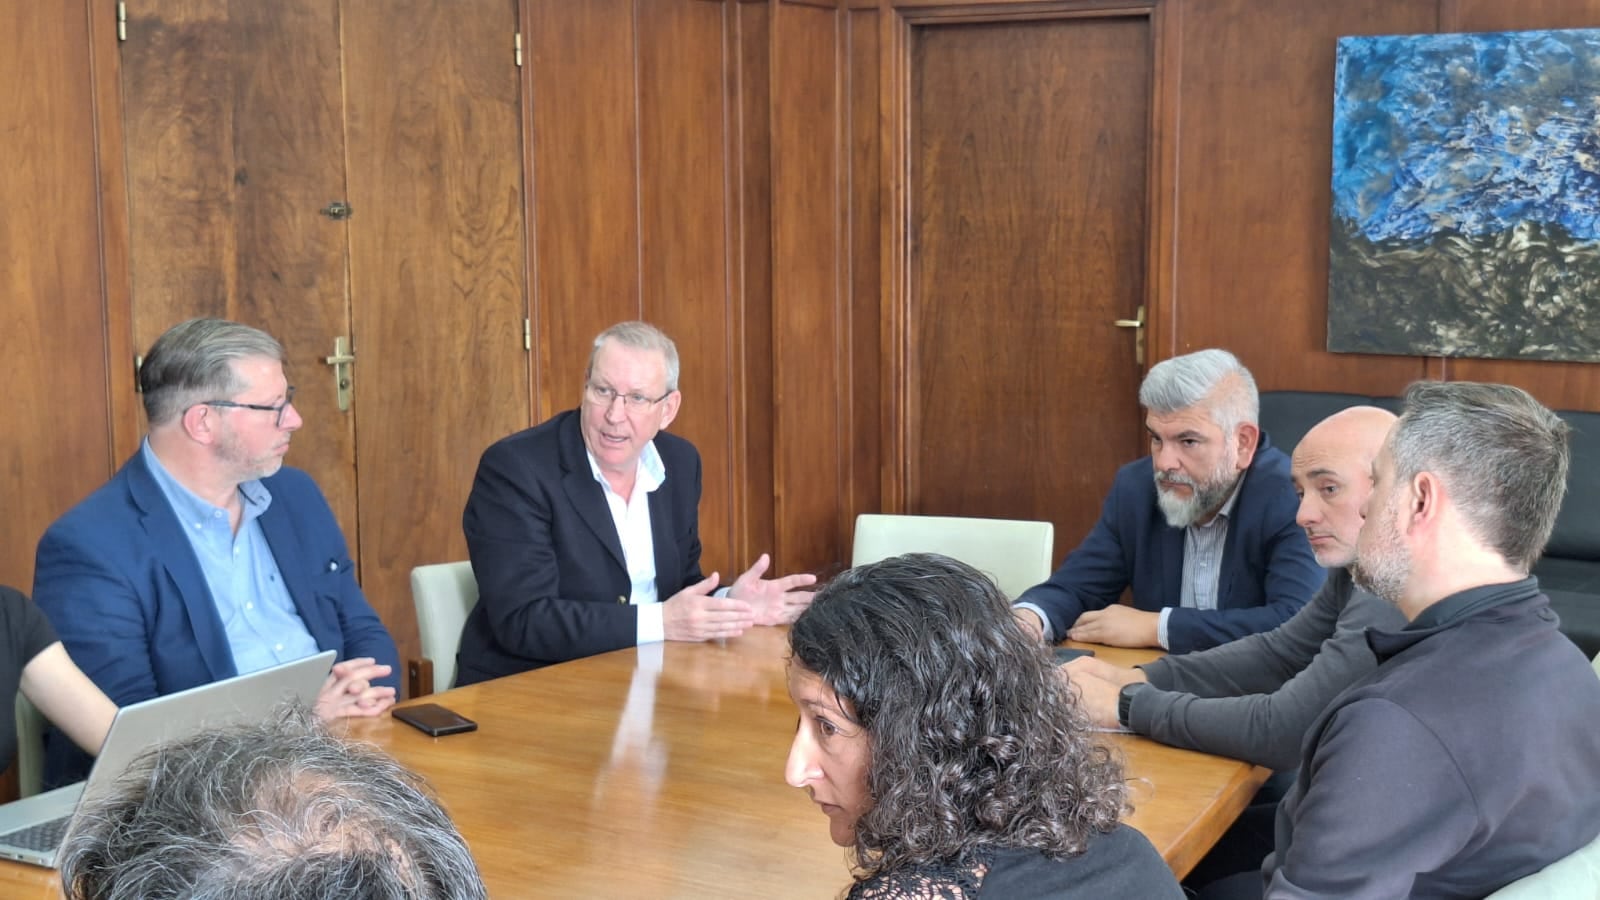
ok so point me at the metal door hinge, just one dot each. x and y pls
(122, 21)
(138, 364)
(518, 45)
(338, 209)
(527, 334)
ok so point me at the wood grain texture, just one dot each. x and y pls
(1254, 154)
(755, 528)
(437, 274)
(231, 152)
(809, 331)
(864, 144)
(686, 256)
(1028, 177)
(57, 444)
(584, 159)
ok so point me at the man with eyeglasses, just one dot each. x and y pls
(204, 557)
(584, 530)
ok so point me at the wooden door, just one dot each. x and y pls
(233, 117)
(436, 272)
(244, 121)
(1028, 159)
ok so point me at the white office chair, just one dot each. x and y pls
(443, 594)
(1017, 554)
(30, 747)
(1574, 875)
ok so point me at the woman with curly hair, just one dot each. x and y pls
(944, 747)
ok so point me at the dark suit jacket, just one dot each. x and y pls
(1268, 569)
(552, 581)
(120, 582)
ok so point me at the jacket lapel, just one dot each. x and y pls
(585, 494)
(161, 524)
(296, 569)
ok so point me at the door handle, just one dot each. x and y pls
(1138, 340)
(341, 360)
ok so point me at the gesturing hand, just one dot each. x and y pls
(775, 600)
(692, 614)
(349, 692)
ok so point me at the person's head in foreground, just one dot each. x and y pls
(933, 731)
(1465, 492)
(273, 810)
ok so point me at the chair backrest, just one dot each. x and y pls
(1016, 554)
(1574, 875)
(443, 593)
(30, 747)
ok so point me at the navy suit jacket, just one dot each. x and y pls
(552, 581)
(1268, 569)
(120, 582)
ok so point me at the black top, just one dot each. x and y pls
(1118, 864)
(27, 633)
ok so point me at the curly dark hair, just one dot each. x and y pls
(977, 741)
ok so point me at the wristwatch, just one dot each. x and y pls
(1125, 702)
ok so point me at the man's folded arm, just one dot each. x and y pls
(97, 615)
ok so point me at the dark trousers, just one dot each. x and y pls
(1233, 867)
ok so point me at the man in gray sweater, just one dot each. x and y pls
(1254, 698)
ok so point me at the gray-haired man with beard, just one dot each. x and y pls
(1470, 757)
(1202, 531)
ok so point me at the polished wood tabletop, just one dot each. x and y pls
(658, 772)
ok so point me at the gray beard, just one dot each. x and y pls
(1205, 500)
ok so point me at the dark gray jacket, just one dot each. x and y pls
(1254, 698)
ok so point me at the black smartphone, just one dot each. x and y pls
(433, 719)
(1068, 654)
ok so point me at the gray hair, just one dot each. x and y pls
(193, 362)
(1502, 455)
(1213, 380)
(639, 336)
(267, 811)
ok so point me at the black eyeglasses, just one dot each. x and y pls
(280, 409)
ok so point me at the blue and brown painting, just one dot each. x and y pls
(1466, 196)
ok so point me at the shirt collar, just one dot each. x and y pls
(1451, 611)
(651, 472)
(188, 505)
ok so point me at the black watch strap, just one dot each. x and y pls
(1125, 702)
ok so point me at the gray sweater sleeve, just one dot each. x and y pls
(1253, 699)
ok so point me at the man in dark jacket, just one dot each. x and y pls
(1201, 532)
(1469, 757)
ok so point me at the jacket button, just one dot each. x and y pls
(622, 600)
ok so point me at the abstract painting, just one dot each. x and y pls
(1466, 196)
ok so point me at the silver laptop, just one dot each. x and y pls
(31, 829)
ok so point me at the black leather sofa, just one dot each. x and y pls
(1569, 571)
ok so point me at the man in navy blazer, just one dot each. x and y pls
(1202, 531)
(584, 530)
(204, 557)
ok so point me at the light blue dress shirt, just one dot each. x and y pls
(258, 615)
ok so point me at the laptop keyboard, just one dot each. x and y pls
(41, 838)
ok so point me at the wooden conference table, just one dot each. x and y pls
(658, 772)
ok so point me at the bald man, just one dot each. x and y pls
(1254, 698)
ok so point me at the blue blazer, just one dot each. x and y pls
(120, 582)
(1268, 569)
(552, 581)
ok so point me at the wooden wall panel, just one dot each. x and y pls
(752, 178)
(585, 180)
(436, 272)
(808, 170)
(865, 226)
(1254, 155)
(1560, 385)
(57, 444)
(686, 257)
(1027, 209)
